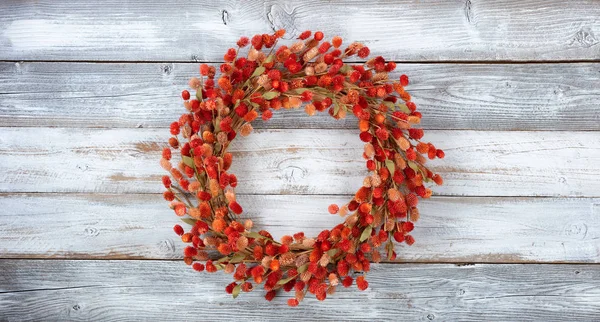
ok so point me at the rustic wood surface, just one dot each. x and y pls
(458, 230)
(301, 161)
(457, 30)
(450, 96)
(509, 89)
(166, 290)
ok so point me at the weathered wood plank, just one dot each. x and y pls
(485, 163)
(451, 96)
(452, 229)
(400, 30)
(164, 290)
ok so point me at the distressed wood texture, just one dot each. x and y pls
(164, 290)
(301, 161)
(515, 230)
(450, 96)
(202, 31)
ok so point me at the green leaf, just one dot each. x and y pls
(199, 94)
(189, 221)
(237, 258)
(299, 90)
(389, 105)
(284, 281)
(236, 290)
(345, 69)
(332, 252)
(389, 247)
(255, 105)
(303, 268)
(336, 109)
(270, 95)
(404, 108)
(254, 234)
(414, 166)
(366, 233)
(222, 259)
(258, 71)
(390, 165)
(269, 58)
(188, 161)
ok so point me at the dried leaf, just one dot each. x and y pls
(404, 108)
(390, 165)
(188, 161)
(389, 105)
(366, 233)
(303, 268)
(270, 95)
(258, 71)
(284, 281)
(299, 90)
(236, 291)
(238, 257)
(254, 234)
(189, 221)
(332, 252)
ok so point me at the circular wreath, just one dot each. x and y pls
(309, 73)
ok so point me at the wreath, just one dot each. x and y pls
(309, 73)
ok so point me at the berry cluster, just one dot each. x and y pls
(309, 73)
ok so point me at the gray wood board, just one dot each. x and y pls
(301, 161)
(450, 96)
(451, 229)
(519, 30)
(32, 290)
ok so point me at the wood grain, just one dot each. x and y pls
(450, 96)
(477, 163)
(202, 31)
(164, 290)
(451, 229)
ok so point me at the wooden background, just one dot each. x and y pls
(509, 89)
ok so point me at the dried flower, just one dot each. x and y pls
(309, 73)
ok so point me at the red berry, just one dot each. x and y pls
(362, 283)
(403, 80)
(293, 302)
(364, 52)
(270, 295)
(347, 282)
(305, 35)
(190, 251)
(398, 236)
(333, 209)
(319, 36)
(178, 230)
(235, 207)
(440, 154)
(185, 95)
(198, 267)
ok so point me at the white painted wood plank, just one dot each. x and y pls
(451, 229)
(400, 30)
(484, 163)
(450, 96)
(33, 290)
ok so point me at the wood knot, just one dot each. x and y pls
(91, 231)
(167, 246)
(293, 173)
(166, 69)
(225, 16)
(279, 18)
(584, 38)
(576, 230)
